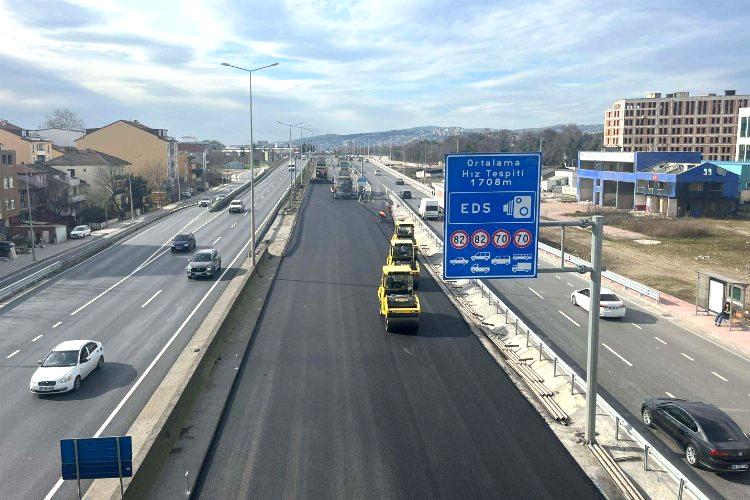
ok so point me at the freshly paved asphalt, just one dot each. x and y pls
(666, 359)
(133, 335)
(329, 405)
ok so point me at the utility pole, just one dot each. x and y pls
(130, 188)
(31, 220)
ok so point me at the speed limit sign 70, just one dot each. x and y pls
(522, 238)
(501, 238)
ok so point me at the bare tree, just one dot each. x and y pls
(108, 184)
(155, 175)
(63, 118)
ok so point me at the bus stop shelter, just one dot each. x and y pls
(713, 290)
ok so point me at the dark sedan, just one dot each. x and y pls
(183, 242)
(709, 437)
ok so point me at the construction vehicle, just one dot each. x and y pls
(404, 253)
(403, 231)
(343, 188)
(399, 305)
(321, 172)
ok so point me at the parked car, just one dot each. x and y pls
(205, 202)
(204, 263)
(405, 194)
(80, 232)
(183, 242)
(708, 436)
(185, 195)
(236, 206)
(610, 306)
(65, 367)
(399, 182)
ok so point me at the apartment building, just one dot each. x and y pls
(141, 146)
(91, 167)
(705, 123)
(743, 135)
(10, 202)
(28, 145)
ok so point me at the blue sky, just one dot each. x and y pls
(360, 66)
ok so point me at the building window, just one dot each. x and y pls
(12, 203)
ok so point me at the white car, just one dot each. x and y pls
(459, 261)
(496, 261)
(476, 268)
(481, 256)
(378, 172)
(80, 232)
(236, 206)
(64, 368)
(205, 202)
(610, 306)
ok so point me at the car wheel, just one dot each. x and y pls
(77, 384)
(646, 416)
(573, 300)
(100, 363)
(691, 455)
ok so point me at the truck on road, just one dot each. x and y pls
(321, 173)
(343, 188)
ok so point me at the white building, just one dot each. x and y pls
(743, 135)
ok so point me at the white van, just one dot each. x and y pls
(429, 208)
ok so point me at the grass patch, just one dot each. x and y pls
(654, 227)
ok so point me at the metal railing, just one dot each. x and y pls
(20, 285)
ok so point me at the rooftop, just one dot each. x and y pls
(88, 157)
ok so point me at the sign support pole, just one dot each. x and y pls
(119, 468)
(78, 469)
(592, 357)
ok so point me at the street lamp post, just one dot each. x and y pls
(291, 172)
(252, 153)
(31, 220)
(132, 213)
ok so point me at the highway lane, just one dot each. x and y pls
(646, 354)
(328, 405)
(106, 300)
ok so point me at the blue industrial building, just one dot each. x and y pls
(671, 184)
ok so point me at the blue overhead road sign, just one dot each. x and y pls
(491, 215)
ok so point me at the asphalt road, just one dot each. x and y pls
(642, 355)
(135, 298)
(328, 405)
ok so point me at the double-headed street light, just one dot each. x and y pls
(252, 153)
(291, 161)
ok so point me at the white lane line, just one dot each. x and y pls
(636, 326)
(216, 240)
(57, 324)
(660, 340)
(230, 227)
(571, 286)
(719, 376)
(152, 298)
(12, 354)
(37, 338)
(535, 292)
(262, 197)
(556, 276)
(669, 394)
(686, 356)
(151, 365)
(616, 354)
(570, 319)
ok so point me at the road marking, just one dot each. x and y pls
(571, 286)
(688, 357)
(660, 340)
(37, 338)
(216, 240)
(12, 354)
(535, 292)
(719, 376)
(230, 227)
(556, 276)
(669, 394)
(570, 319)
(636, 326)
(616, 354)
(152, 298)
(57, 324)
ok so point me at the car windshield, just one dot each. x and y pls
(402, 250)
(61, 358)
(608, 297)
(79, 228)
(718, 431)
(182, 237)
(404, 231)
(398, 282)
(202, 257)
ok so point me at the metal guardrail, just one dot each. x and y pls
(577, 379)
(20, 285)
(628, 283)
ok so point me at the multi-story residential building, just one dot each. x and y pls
(66, 193)
(705, 123)
(61, 137)
(743, 135)
(94, 168)
(10, 202)
(27, 144)
(32, 188)
(142, 147)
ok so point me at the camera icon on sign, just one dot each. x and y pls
(519, 207)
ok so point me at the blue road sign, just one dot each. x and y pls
(97, 457)
(491, 215)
